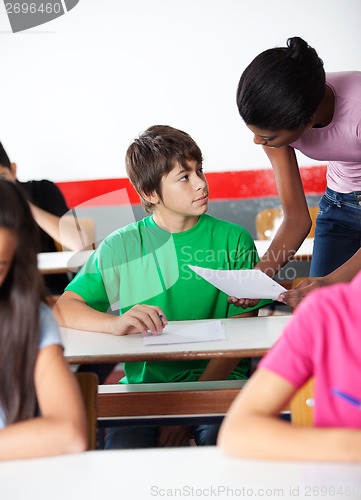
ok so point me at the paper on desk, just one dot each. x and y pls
(243, 283)
(185, 333)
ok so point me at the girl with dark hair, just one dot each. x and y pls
(41, 412)
(288, 102)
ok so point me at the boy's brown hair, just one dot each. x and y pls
(153, 155)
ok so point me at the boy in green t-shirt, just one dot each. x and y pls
(143, 271)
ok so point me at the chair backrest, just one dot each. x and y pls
(301, 405)
(88, 383)
(269, 220)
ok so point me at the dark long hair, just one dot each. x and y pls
(282, 87)
(20, 297)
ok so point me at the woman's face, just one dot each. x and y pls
(276, 138)
(7, 251)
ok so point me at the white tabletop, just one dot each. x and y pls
(62, 262)
(245, 337)
(202, 472)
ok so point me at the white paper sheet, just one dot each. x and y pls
(185, 333)
(243, 284)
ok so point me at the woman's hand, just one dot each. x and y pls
(293, 297)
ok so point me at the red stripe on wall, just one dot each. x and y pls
(223, 186)
(77, 192)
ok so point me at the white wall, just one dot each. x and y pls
(74, 92)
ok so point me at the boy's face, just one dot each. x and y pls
(184, 191)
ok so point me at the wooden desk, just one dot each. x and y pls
(303, 253)
(62, 262)
(245, 337)
(194, 472)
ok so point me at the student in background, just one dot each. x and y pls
(322, 341)
(41, 411)
(143, 270)
(48, 206)
(289, 103)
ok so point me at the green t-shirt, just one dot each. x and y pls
(141, 263)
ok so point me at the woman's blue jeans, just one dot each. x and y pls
(338, 231)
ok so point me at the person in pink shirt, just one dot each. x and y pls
(288, 102)
(322, 340)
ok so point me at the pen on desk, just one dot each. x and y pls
(346, 397)
(163, 320)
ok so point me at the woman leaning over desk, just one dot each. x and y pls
(288, 102)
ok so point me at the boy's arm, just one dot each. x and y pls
(221, 368)
(252, 427)
(72, 311)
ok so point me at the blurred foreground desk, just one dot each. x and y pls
(202, 472)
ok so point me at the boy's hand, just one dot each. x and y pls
(140, 319)
(174, 436)
(244, 303)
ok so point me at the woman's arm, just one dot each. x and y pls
(297, 222)
(72, 311)
(252, 427)
(61, 428)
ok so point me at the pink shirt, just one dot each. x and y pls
(339, 142)
(323, 340)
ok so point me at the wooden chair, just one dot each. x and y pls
(269, 220)
(302, 405)
(88, 383)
